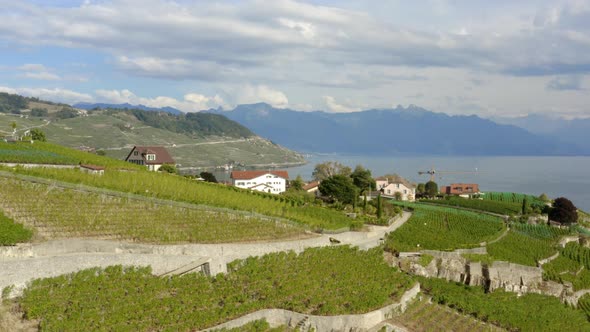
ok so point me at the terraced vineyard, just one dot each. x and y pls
(529, 312)
(323, 281)
(509, 197)
(584, 304)
(172, 187)
(441, 228)
(61, 213)
(426, 316)
(572, 265)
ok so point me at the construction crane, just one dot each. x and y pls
(432, 172)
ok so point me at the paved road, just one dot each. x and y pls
(21, 264)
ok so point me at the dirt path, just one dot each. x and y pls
(23, 263)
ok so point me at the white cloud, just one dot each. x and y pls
(249, 94)
(192, 102)
(38, 72)
(54, 94)
(336, 107)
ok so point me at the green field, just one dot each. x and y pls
(442, 228)
(177, 188)
(64, 213)
(321, 281)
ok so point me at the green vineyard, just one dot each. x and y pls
(177, 188)
(326, 281)
(441, 228)
(12, 233)
(572, 265)
(62, 213)
(529, 312)
(499, 207)
(518, 248)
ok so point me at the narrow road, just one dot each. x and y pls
(21, 264)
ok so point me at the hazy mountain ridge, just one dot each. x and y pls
(573, 131)
(412, 130)
(91, 106)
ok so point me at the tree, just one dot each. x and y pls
(420, 189)
(379, 206)
(13, 126)
(544, 197)
(431, 188)
(397, 196)
(296, 184)
(339, 187)
(563, 211)
(38, 135)
(328, 169)
(208, 177)
(525, 206)
(41, 112)
(168, 168)
(362, 179)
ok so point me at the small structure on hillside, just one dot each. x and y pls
(92, 169)
(313, 187)
(151, 156)
(466, 190)
(274, 182)
(389, 185)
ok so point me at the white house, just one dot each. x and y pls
(274, 182)
(389, 185)
(313, 187)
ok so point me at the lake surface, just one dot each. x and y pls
(556, 176)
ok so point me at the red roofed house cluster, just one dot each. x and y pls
(151, 156)
(274, 182)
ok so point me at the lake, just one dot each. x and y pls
(555, 176)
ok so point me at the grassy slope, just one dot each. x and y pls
(64, 213)
(103, 131)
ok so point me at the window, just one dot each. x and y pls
(135, 153)
(405, 191)
(151, 157)
(397, 185)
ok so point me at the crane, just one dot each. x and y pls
(432, 172)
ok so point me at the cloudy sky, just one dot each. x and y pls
(503, 58)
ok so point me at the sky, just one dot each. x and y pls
(488, 58)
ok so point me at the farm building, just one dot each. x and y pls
(460, 189)
(151, 156)
(313, 187)
(274, 182)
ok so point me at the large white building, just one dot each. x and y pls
(389, 185)
(274, 182)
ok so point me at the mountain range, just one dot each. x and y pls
(91, 106)
(398, 131)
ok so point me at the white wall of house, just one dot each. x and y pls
(381, 184)
(276, 184)
(408, 194)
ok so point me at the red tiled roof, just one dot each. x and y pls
(311, 185)
(246, 175)
(93, 167)
(162, 155)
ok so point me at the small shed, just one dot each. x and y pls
(92, 169)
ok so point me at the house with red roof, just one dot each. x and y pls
(274, 182)
(153, 157)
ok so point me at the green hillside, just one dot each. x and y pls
(193, 140)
